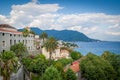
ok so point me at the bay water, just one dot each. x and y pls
(98, 47)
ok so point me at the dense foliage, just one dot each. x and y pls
(52, 73)
(75, 55)
(8, 64)
(19, 49)
(96, 68)
(65, 61)
(70, 75)
(37, 64)
(114, 60)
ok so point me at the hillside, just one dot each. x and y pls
(65, 35)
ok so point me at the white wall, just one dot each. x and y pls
(18, 37)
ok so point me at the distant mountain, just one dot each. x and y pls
(65, 35)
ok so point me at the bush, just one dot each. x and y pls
(75, 55)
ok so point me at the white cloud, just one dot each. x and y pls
(115, 26)
(34, 9)
(45, 16)
(114, 33)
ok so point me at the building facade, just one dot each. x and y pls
(10, 36)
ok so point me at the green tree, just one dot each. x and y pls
(114, 60)
(70, 75)
(25, 32)
(8, 64)
(95, 68)
(37, 65)
(51, 73)
(75, 55)
(44, 36)
(65, 61)
(19, 49)
(58, 65)
(50, 45)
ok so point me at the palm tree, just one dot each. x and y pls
(43, 36)
(50, 45)
(25, 32)
(19, 49)
(8, 64)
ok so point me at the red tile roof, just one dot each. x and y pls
(75, 66)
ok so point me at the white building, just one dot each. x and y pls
(10, 36)
(57, 54)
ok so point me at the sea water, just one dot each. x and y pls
(98, 47)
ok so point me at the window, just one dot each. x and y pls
(23, 41)
(10, 42)
(14, 41)
(14, 35)
(3, 43)
(26, 41)
(29, 48)
(19, 41)
(3, 34)
(10, 34)
(3, 51)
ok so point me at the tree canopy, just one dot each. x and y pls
(19, 49)
(8, 64)
(114, 60)
(70, 75)
(95, 68)
(25, 32)
(44, 36)
(75, 55)
(37, 64)
(52, 73)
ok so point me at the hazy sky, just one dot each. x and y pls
(98, 19)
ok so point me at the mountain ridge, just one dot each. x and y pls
(65, 35)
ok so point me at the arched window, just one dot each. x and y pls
(3, 43)
(3, 34)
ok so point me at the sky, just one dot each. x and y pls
(98, 19)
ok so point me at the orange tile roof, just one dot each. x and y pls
(75, 66)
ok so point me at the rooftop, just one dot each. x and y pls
(6, 26)
(74, 66)
(8, 29)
